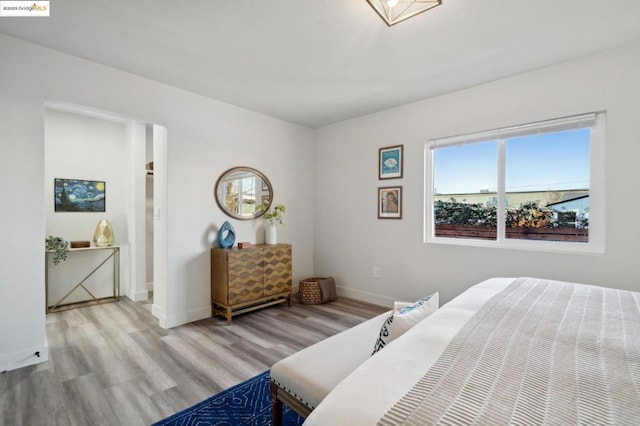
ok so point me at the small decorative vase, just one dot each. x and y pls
(103, 237)
(226, 236)
(271, 234)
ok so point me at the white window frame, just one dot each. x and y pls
(597, 220)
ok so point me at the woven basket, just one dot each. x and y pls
(309, 291)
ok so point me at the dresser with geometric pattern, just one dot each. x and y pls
(243, 280)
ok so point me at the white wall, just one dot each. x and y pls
(350, 240)
(22, 314)
(81, 147)
(205, 137)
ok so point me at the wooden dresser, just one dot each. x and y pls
(243, 280)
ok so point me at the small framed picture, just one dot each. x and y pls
(390, 162)
(390, 202)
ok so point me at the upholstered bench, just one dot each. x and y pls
(303, 379)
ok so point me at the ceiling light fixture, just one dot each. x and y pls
(394, 11)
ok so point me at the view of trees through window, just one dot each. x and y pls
(543, 179)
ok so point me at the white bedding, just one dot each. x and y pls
(376, 385)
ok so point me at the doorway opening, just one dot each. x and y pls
(128, 155)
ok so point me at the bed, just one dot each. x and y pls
(523, 350)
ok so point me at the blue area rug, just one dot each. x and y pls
(248, 403)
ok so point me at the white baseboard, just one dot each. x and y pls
(187, 317)
(138, 296)
(24, 358)
(365, 296)
(158, 312)
(182, 318)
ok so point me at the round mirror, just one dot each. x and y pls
(240, 192)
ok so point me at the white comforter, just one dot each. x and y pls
(373, 388)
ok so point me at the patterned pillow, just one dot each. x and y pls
(397, 306)
(405, 318)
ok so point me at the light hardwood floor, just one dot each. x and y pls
(113, 365)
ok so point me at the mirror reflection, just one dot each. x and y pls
(241, 190)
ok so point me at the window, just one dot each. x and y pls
(533, 186)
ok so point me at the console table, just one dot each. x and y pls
(113, 252)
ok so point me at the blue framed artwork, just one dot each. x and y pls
(75, 195)
(390, 162)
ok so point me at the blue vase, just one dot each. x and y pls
(226, 236)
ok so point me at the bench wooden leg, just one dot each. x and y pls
(276, 406)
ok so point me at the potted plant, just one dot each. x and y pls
(272, 218)
(59, 248)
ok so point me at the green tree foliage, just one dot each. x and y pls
(452, 212)
(528, 215)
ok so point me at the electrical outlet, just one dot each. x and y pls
(376, 272)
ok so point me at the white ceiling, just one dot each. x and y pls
(324, 61)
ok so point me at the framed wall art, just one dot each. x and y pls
(390, 202)
(390, 162)
(76, 195)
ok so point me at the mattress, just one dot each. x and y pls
(523, 351)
